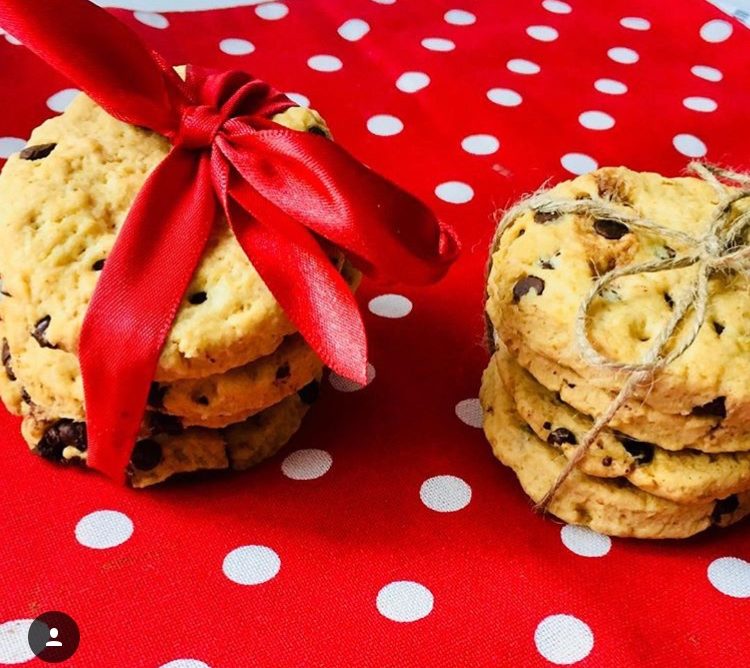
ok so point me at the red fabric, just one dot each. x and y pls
(495, 570)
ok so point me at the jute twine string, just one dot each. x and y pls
(720, 249)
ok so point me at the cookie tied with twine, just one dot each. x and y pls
(722, 248)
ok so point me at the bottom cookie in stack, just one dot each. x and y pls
(609, 505)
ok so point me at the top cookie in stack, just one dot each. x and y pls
(234, 378)
(682, 437)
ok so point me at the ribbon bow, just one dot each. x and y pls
(279, 189)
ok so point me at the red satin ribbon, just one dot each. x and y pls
(278, 189)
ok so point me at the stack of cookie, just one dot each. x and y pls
(675, 458)
(234, 379)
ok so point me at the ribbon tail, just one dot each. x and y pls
(136, 300)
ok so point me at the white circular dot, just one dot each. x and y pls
(152, 19)
(610, 86)
(438, 44)
(454, 192)
(272, 11)
(624, 55)
(411, 82)
(557, 7)
(390, 306)
(445, 493)
(299, 99)
(542, 33)
(103, 529)
(234, 46)
(578, 163)
(385, 2)
(251, 564)
(345, 385)
(698, 103)
(59, 101)
(523, 66)
(12, 40)
(469, 411)
(480, 144)
(354, 29)
(306, 464)
(185, 663)
(14, 643)
(563, 639)
(584, 542)
(715, 31)
(635, 23)
(384, 125)
(324, 63)
(707, 73)
(459, 17)
(10, 145)
(505, 97)
(689, 145)
(731, 576)
(596, 120)
(404, 601)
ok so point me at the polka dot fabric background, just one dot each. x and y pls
(386, 534)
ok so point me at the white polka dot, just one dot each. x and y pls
(689, 145)
(578, 163)
(324, 63)
(445, 493)
(299, 99)
(345, 385)
(12, 40)
(384, 125)
(505, 97)
(596, 120)
(411, 82)
(731, 576)
(635, 23)
(59, 101)
(404, 601)
(272, 11)
(523, 66)
(557, 7)
(459, 17)
(624, 55)
(385, 2)
(707, 73)
(610, 86)
(438, 44)
(563, 639)
(716, 31)
(700, 103)
(469, 411)
(454, 192)
(10, 145)
(236, 47)
(185, 663)
(251, 564)
(480, 144)
(584, 542)
(152, 19)
(354, 29)
(14, 644)
(542, 33)
(390, 306)
(306, 464)
(103, 529)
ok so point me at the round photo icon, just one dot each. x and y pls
(54, 636)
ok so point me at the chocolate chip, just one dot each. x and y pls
(718, 327)
(315, 130)
(607, 461)
(611, 229)
(6, 361)
(715, 408)
(283, 371)
(547, 426)
(98, 265)
(156, 394)
(40, 332)
(37, 152)
(146, 455)
(544, 217)
(612, 188)
(724, 507)
(669, 300)
(197, 298)
(163, 423)
(641, 451)
(527, 284)
(309, 393)
(25, 397)
(59, 436)
(561, 435)
(572, 386)
(202, 400)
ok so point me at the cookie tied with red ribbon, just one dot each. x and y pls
(181, 256)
